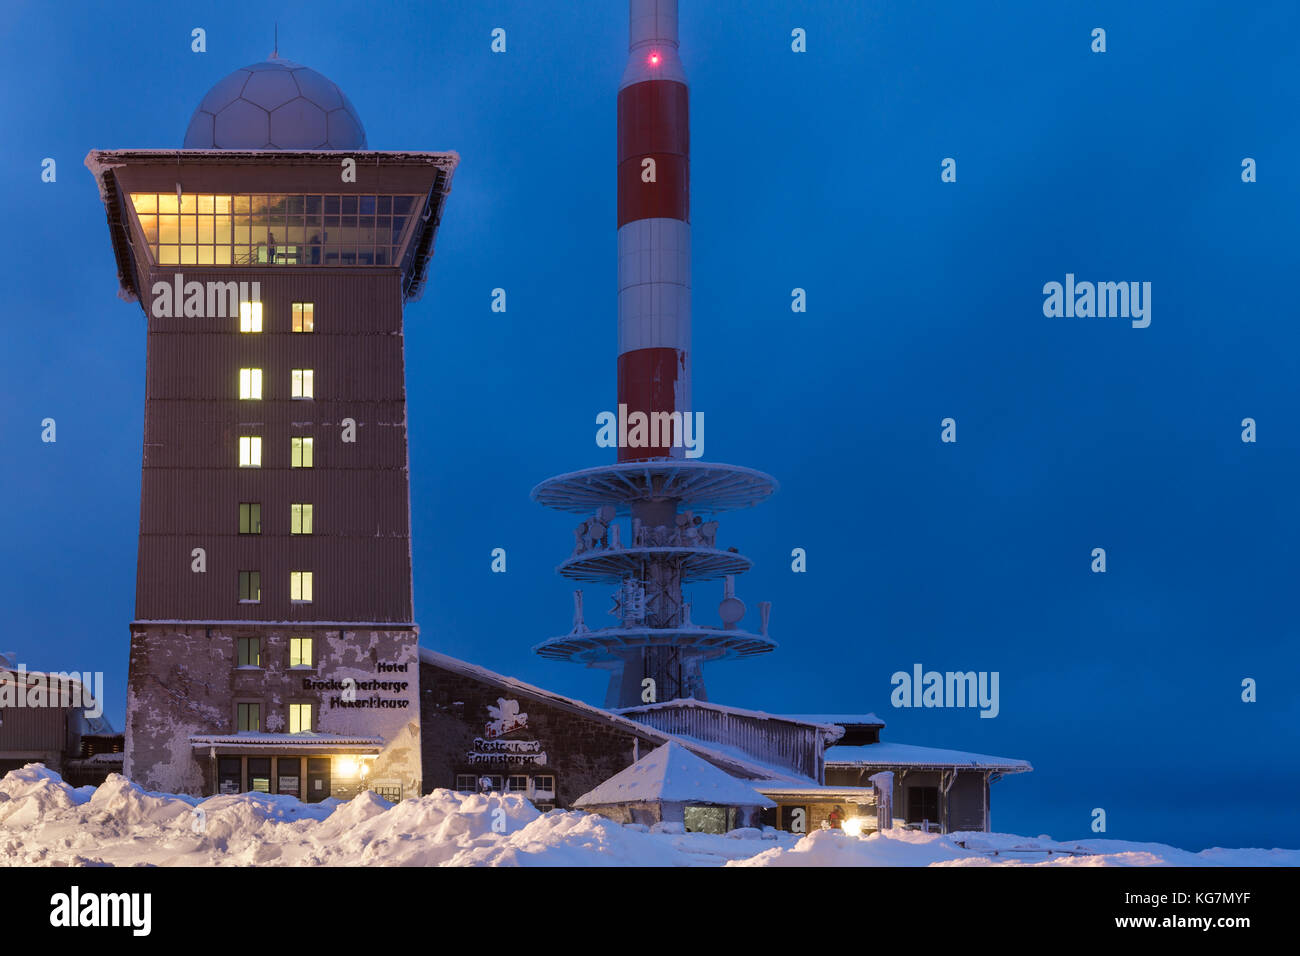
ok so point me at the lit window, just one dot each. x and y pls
(302, 383)
(250, 451)
(250, 383)
(300, 519)
(301, 450)
(250, 517)
(250, 717)
(300, 586)
(250, 586)
(250, 317)
(299, 718)
(250, 651)
(300, 651)
(303, 318)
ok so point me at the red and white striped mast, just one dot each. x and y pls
(654, 225)
(644, 533)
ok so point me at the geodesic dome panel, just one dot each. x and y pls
(275, 104)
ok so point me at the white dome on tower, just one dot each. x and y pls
(275, 104)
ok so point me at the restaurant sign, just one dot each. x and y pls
(492, 750)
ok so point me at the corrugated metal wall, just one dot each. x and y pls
(770, 741)
(32, 728)
(359, 551)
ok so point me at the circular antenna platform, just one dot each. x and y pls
(702, 486)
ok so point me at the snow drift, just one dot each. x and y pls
(43, 821)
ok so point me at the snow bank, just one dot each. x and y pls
(44, 821)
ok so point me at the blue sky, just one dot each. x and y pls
(820, 171)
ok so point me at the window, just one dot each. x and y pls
(709, 819)
(300, 652)
(250, 587)
(922, 804)
(544, 785)
(303, 318)
(301, 453)
(250, 451)
(300, 519)
(390, 792)
(273, 229)
(250, 718)
(300, 586)
(300, 718)
(517, 784)
(250, 651)
(250, 317)
(302, 383)
(250, 517)
(250, 383)
(489, 783)
(466, 782)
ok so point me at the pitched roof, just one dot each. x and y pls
(742, 764)
(672, 773)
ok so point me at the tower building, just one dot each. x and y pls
(274, 641)
(646, 532)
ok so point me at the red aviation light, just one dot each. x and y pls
(654, 57)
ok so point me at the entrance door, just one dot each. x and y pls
(288, 776)
(229, 775)
(318, 779)
(794, 819)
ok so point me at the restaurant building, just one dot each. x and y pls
(274, 646)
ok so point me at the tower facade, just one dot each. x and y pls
(274, 646)
(646, 532)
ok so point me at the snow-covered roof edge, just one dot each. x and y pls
(726, 709)
(911, 755)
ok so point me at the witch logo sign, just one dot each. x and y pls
(505, 718)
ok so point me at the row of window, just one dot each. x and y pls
(250, 587)
(248, 652)
(273, 228)
(250, 452)
(248, 717)
(304, 317)
(250, 518)
(539, 785)
(302, 383)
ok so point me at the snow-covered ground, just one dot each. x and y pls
(43, 821)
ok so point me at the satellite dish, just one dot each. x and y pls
(731, 610)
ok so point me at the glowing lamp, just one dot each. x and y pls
(853, 826)
(347, 767)
(654, 58)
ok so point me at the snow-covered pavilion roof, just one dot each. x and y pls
(909, 755)
(672, 773)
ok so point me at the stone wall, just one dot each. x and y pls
(582, 750)
(184, 680)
